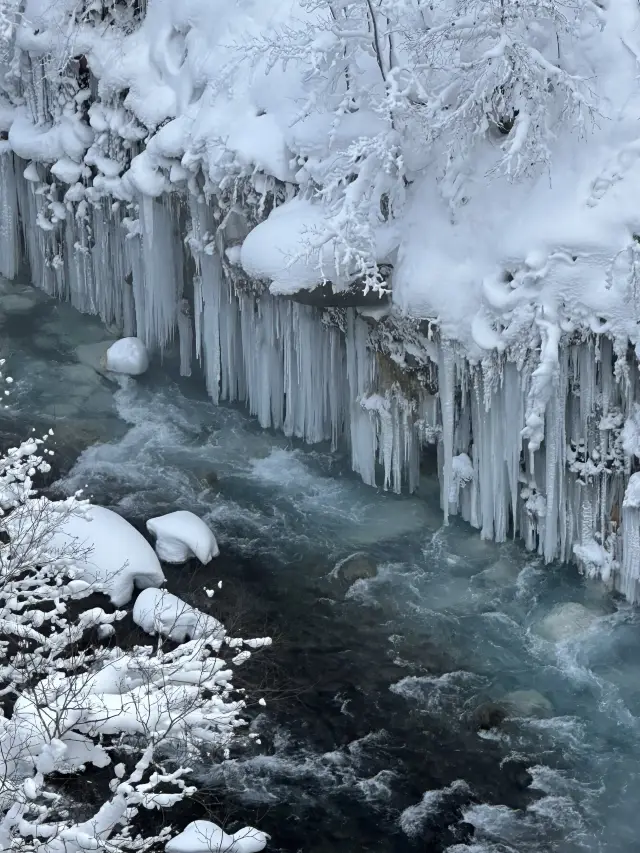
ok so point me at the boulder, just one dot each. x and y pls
(353, 568)
(203, 836)
(565, 621)
(517, 773)
(527, 703)
(106, 550)
(157, 611)
(489, 715)
(519, 703)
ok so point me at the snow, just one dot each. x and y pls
(180, 535)
(565, 225)
(631, 433)
(129, 356)
(203, 836)
(632, 493)
(228, 155)
(159, 612)
(275, 249)
(112, 554)
(70, 691)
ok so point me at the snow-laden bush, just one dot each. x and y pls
(72, 699)
(396, 86)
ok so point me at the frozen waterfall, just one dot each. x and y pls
(155, 268)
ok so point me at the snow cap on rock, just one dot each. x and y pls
(112, 552)
(129, 356)
(180, 535)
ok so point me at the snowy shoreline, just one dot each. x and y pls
(136, 187)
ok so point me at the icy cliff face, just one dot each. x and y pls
(181, 168)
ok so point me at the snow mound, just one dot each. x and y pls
(181, 535)
(114, 555)
(128, 355)
(203, 836)
(275, 249)
(159, 612)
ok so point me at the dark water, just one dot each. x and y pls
(367, 740)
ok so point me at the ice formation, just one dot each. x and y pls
(129, 356)
(181, 535)
(200, 163)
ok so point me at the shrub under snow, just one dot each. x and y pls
(75, 702)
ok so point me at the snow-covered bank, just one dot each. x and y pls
(178, 180)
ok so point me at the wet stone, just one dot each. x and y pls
(487, 716)
(517, 773)
(354, 568)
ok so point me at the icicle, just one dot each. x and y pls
(9, 235)
(446, 376)
(185, 332)
(629, 575)
(162, 266)
(360, 378)
(208, 290)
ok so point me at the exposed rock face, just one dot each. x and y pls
(354, 296)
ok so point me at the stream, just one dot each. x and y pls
(369, 739)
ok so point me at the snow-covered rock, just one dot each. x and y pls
(111, 552)
(159, 612)
(566, 621)
(203, 836)
(129, 356)
(181, 535)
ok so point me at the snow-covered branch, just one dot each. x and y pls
(72, 698)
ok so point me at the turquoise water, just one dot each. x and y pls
(368, 738)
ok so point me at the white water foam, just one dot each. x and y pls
(414, 818)
(439, 693)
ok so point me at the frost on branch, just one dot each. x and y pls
(503, 68)
(394, 87)
(72, 699)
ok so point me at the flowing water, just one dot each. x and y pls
(374, 681)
